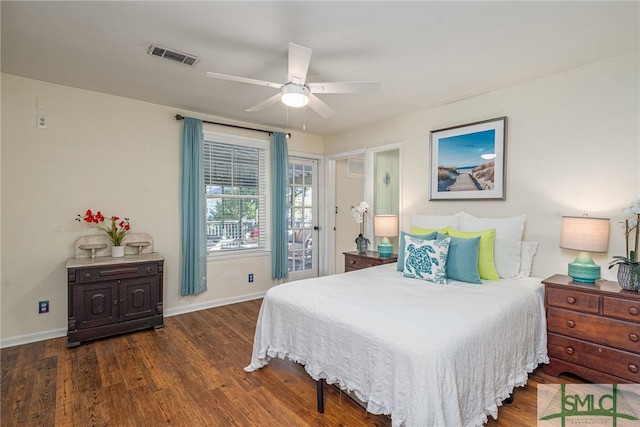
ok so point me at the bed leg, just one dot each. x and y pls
(320, 395)
(509, 399)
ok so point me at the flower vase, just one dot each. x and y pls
(117, 251)
(627, 278)
(362, 246)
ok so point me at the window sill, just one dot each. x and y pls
(226, 255)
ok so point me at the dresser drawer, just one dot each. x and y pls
(610, 332)
(127, 270)
(621, 309)
(572, 299)
(601, 358)
(352, 263)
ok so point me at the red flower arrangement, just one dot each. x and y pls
(116, 232)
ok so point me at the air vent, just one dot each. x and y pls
(173, 55)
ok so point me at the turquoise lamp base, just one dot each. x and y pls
(385, 248)
(583, 269)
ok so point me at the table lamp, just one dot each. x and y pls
(586, 235)
(385, 226)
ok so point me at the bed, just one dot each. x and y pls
(424, 353)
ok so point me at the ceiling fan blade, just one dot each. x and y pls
(299, 58)
(345, 87)
(317, 105)
(267, 102)
(243, 80)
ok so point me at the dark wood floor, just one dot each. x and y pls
(187, 374)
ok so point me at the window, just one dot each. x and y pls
(235, 179)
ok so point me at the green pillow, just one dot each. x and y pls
(401, 249)
(419, 231)
(486, 264)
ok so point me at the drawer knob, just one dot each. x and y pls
(634, 337)
(634, 311)
(571, 300)
(351, 262)
(633, 368)
(571, 323)
(570, 350)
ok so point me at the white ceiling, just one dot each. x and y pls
(425, 53)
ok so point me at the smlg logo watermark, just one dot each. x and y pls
(611, 405)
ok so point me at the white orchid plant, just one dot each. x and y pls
(631, 229)
(358, 213)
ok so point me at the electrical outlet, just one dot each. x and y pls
(250, 277)
(43, 307)
(41, 121)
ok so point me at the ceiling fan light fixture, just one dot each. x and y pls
(294, 95)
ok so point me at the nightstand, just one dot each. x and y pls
(355, 261)
(593, 330)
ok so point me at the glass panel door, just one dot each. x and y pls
(302, 218)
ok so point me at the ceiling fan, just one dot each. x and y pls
(296, 92)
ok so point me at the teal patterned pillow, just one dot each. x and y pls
(426, 259)
(400, 263)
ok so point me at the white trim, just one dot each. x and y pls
(330, 196)
(59, 333)
(389, 147)
(212, 304)
(30, 338)
(227, 138)
(329, 265)
(324, 220)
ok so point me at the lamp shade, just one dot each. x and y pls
(385, 226)
(584, 234)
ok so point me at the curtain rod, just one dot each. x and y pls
(287, 135)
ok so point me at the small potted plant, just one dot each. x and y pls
(116, 231)
(628, 265)
(358, 213)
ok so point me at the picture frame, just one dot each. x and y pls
(468, 161)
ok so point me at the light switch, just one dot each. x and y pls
(41, 104)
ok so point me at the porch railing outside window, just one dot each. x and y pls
(230, 235)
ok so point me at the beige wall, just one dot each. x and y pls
(99, 152)
(573, 147)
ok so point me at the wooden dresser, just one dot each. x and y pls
(109, 296)
(593, 330)
(356, 261)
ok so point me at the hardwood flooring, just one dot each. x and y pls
(187, 374)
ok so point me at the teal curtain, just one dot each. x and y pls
(194, 243)
(279, 206)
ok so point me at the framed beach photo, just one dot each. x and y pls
(468, 161)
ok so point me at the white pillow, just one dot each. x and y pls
(436, 222)
(508, 243)
(529, 249)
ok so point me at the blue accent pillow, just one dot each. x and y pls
(401, 245)
(426, 259)
(462, 260)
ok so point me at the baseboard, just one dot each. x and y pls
(29, 338)
(58, 333)
(211, 304)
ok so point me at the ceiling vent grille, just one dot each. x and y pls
(173, 55)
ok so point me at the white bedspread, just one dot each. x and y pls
(427, 354)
